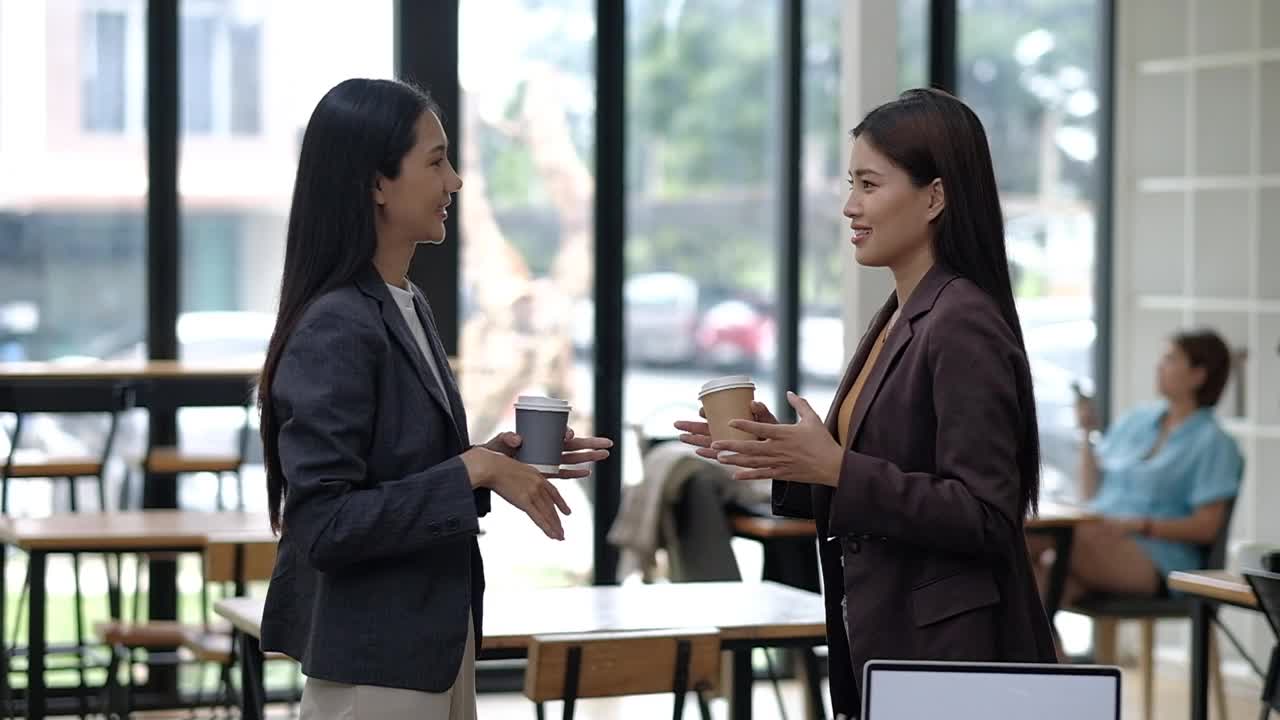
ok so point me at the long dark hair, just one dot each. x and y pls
(359, 129)
(930, 135)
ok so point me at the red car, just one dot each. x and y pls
(734, 334)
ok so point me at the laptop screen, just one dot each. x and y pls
(989, 691)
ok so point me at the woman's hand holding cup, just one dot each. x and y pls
(576, 451)
(580, 451)
(698, 433)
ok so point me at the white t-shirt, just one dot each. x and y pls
(404, 301)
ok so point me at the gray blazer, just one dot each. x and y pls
(378, 563)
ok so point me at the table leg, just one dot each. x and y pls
(252, 683)
(1271, 686)
(1061, 568)
(1201, 625)
(814, 709)
(6, 699)
(35, 637)
(740, 693)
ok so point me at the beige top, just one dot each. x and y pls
(851, 399)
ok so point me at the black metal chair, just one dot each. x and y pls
(1266, 585)
(161, 639)
(1108, 610)
(168, 396)
(62, 397)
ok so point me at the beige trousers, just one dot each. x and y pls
(324, 700)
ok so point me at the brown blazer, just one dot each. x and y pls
(923, 534)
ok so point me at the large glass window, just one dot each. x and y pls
(246, 78)
(73, 180)
(913, 43)
(826, 148)
(222, 64)
(823, 166)
(103, 70)
(1034, 77)
(703, 143)
(73, 185)
(528, 120)
(198, 37)
(251, 75)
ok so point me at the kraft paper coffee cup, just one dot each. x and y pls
(541, 424)
(728, 398)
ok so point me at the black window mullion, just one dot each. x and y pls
(426, 54)
(164, 244)
(610, 233)
(943, 50)
(789, 191)
(1104, 251)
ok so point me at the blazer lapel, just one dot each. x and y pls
(442, 362)
(393, 318)
(919, 303)
(821, 494)
(859, 359)
(897, 341)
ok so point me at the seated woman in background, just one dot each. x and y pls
(1160, 478)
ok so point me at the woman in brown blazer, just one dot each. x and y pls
(928, 462)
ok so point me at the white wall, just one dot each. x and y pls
(1197, 198)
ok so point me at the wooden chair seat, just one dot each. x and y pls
(215, 647)
(171, 461)
(769, 528)
(624, 663)
(151, 634)
(37, 464)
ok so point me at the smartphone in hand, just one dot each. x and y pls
(1079, 391)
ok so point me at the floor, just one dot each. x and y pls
(1171, 703)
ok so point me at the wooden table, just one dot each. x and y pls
(11, 372)
(749, 615)
(1050, 516)
(772, 528)
(1059, 515)
(132, 531)
(790, 558)
(1208, 590)
(1056, 520)
(145, 370)
(139, 531)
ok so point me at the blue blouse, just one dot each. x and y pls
(1198, 464)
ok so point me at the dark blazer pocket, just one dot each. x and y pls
(953, 595)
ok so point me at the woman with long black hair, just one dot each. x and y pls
(928, 462)
(372, 482)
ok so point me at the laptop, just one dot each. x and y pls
(923, 690)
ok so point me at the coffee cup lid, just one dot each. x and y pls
(728, 382)
(538, 402)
